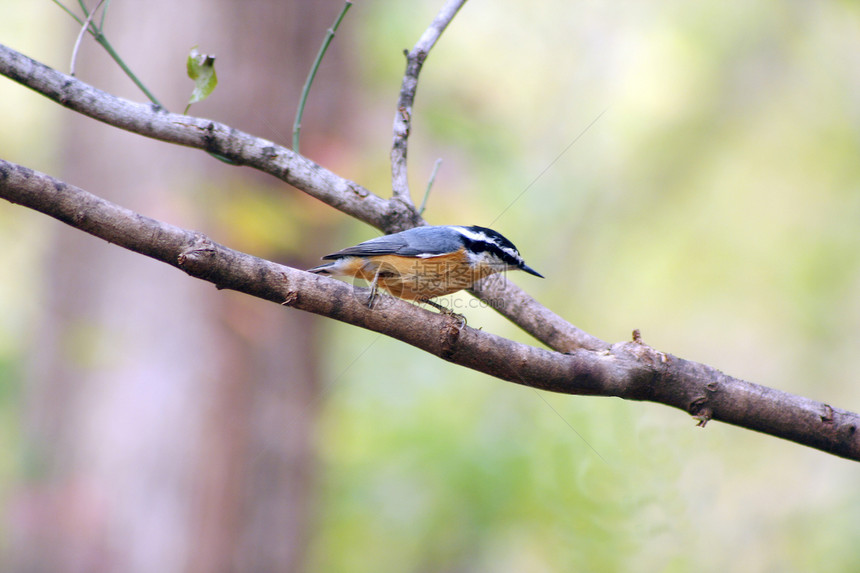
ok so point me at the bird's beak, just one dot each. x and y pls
(530, 270)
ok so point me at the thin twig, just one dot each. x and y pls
(99, 36)
(297, 124)
(429, 186)
(104, 15)
(80, 38)
(403, 115)
(103, 41)
(69, 12)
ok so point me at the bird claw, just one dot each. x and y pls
(447, 311)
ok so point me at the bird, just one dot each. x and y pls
(423, 263)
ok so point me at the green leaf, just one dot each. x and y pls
(201, 69)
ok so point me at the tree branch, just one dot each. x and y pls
(154, 122)
(403, 115)
(628, 370)
(244, 149)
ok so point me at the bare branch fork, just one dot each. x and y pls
(508, 299)
(583, 364)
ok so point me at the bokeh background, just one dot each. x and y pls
(691, 169)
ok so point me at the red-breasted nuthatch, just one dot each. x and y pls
(425, 262)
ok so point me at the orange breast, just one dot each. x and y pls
(412, 278)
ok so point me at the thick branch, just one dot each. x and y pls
(388, 215)
(403, 115)
(628, 370)
(202, 258)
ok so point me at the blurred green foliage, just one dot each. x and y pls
(714, 205)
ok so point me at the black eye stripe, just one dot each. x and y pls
(490, 246)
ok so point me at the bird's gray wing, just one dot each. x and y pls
(420, 241)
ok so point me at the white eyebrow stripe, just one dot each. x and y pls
(472, 235)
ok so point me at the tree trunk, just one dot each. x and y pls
(172, 424)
